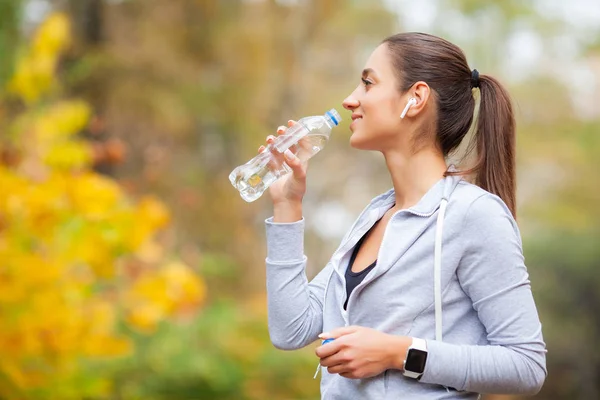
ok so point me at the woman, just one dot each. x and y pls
(427, 296)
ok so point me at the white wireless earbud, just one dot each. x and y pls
(411, 102)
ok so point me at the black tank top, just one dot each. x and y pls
(353, 279)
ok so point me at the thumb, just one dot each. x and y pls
(295, 164)
(338, 332)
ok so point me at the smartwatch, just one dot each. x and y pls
(416, 357)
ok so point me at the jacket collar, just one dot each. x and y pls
(442, 189)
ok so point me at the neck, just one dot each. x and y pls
(413, 175)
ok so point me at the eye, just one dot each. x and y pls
(366, 82)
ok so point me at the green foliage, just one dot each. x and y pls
(221, 354)
(9, 37)
(566, 282)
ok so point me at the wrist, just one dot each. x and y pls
(399, 347)
(287, 211)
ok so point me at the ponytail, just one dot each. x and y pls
(495, 142)
(422, 57)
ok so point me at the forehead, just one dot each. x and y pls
(381, 62)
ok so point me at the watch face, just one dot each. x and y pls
(415, 361)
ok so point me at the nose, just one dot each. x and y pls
(350, 102)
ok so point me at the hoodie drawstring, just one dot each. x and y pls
(437, 270)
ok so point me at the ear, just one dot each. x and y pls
(421, 92)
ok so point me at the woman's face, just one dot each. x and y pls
(376, 105)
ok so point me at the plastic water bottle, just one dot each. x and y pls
(310, 134)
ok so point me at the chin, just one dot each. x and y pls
(358, 143)
(354, 141)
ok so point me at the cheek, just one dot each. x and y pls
(385, 109)
(376, 130)
(385, 120)
(380, 123)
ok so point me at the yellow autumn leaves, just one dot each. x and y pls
(77, 255)
(34, 74)
(170, 291)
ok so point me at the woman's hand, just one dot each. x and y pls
(358, 352)
(288, 191)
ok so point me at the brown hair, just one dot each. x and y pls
(443, 66)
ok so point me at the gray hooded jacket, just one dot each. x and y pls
(492, 337)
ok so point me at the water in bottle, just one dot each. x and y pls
(305, 139)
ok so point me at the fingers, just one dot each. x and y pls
(342, 369)
(288, 156)
(338, 364)
(334, 346)
(338, 332)
(330, 349)
(291, 160)
(270, 139)
(282, 129)
(277, 158)
(333, 360)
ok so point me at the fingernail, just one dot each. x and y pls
(324, 335)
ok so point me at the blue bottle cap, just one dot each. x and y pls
(327, 341)
(334, 115)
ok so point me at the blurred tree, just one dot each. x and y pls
(77, 253)
(87, 16)
(568, 282)
(193, 87)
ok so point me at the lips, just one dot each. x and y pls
(355, 118)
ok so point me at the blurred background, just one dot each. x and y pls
(130, 268)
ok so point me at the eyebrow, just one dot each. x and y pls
(368, 71)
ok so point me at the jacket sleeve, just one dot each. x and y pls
(492, 273)
(295, 305)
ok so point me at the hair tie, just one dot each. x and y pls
(474, 78)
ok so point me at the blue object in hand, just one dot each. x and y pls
(327, 341)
